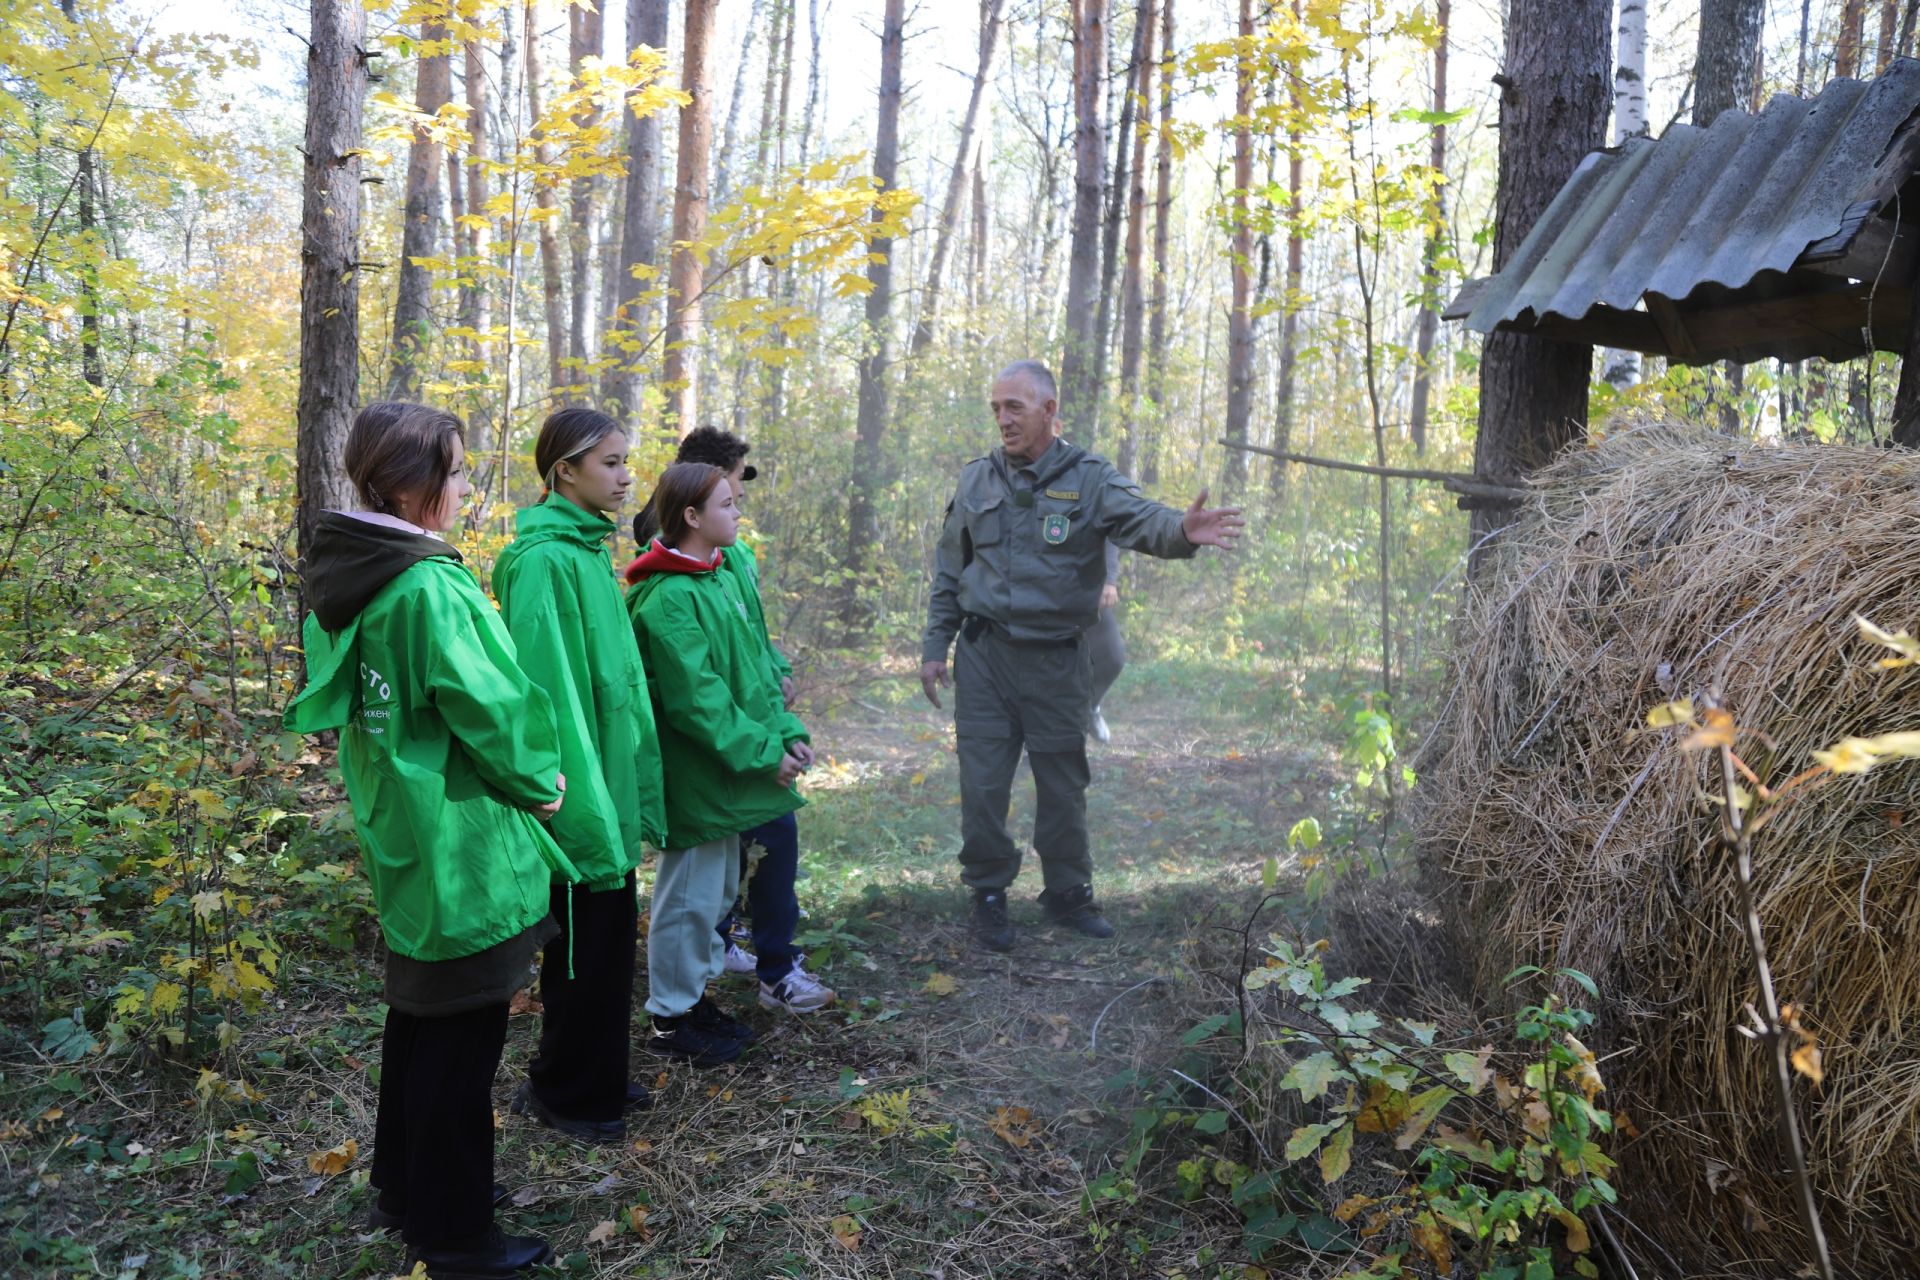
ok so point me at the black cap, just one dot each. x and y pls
(750, 472)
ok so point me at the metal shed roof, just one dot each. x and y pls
(1765, 235)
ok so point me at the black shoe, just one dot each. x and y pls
(388, 1220)
(711, 1017)
(1076, 909)
(698, 1046)
(991, 928)
(527, 1103)
(638, 1099)
(495, 1256)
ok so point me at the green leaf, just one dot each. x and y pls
(67, 1039)
(1211, 1122)
(1337, 1156)
(1321, 1233)
(1200, 1031)
(1306, 1140)
(1270, 872)
(1585, 983)
(1423, 1110)
(245, 1174)
(1424, 1032)
(1312, 1075)
(1305, 834)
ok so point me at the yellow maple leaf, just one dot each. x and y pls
(941, 984)
(1014, 1125)
(334, 1161)
(846, 1229)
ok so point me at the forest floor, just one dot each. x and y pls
(946, 1120)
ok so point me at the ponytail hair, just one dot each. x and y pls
(565, 435)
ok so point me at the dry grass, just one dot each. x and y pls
(1669, 562)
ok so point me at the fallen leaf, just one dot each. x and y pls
(637, 1221)
(642, 1147)
(1351, 1206)
(602, 1232)
(333, 1162)
(846, 1230)
(1062, 1029)
(1669, 714)
(941, 984)
(1431, 1239)
(1014, 1125)
(524, 1003)
(1717, 731)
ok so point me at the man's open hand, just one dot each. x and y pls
(933, 678)
(1212, 527)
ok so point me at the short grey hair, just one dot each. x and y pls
(1039, 372)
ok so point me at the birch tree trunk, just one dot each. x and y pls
(1162, 213)
(964, 160)
(476, 309)
(330, 260)
(546, 200)
(1533, 390)
(1132, 273)
(639, 226)
(1078, 390)
(412, 316)
(862, 523)
(686, 270)
(1429, 323)
(1726, 57)
(1240, 318)
(586, 38)
(1621, 368)
(1289, 358)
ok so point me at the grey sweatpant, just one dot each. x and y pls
(692, 892)
(1108, 651)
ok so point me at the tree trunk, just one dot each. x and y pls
(1889, 32)
(1162, 223)
(1117, 194)
(1846, 51)
(547, 201)
(1132, 274)
(982, 224)
(1533, 391)
(1429, 323)
(91, 367)
(730, 132)
(476, 303)
(687, 267)
(412, 315)
(1905, 48)
(639, 224)
(1725, 56)
(862, 523)
(963, 162)
(1285, 374)
(1621, 368)
(1240, 318)
(1078, 390)
(330, 260)
(586, 38)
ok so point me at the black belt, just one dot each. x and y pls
(973, 624)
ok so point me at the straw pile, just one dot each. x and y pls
(1669, 562)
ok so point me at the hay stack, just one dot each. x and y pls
(1667, 562)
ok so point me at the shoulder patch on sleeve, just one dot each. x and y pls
(1119, 481)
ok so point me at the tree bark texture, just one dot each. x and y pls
(1116, 195)
(964, 160)
(547, 201)
(330, 260)
(1533, 391)
(1132, 274)
(1889, 32)
(1429, 324)
(639, 223)
(476, 302)
(1846, 50)
(1162, 213)
(586, 38)
(1078, 390)
(686, 269)
(420, 233)
(862, 523)
(1240, 317)
(1289, 359)
(1621, 368)
(1726, 57)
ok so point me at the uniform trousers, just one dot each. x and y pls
(692, 892)
(1007, 698)
(433, 1136)
(580, 1070)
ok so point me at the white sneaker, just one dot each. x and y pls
(798, 992)
(740, 960)
(1099, 728)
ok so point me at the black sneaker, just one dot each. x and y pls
(638, 1098)
(1076, 909)
(712, 1017)
(527, 1103)
(495, 1256)
(991, 927)
(381, 1218)
(683, 1038)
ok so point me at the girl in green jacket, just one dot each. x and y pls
(555, 584)
(450, 761)
(732, 752)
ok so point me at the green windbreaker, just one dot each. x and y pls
(445, 744)
(556, 589)
(723, 728)
(740, 561)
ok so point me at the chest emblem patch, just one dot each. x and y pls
(1054, 529)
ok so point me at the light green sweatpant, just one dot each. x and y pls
(692, 892)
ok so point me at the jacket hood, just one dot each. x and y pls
(555, 519)
(660, 558)
(351, 559)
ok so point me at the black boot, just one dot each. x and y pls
(527, 1103)
(495, 1256)
(991, 928)
(638, 1097)
(1076, 909)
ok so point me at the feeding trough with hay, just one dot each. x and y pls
(1666, 563)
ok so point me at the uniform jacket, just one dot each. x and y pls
(445, 744)
(1037, 569)
(740, 561)
(557, 592)
(723, 727)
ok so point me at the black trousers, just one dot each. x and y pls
(433, 1139)
(580, 1071)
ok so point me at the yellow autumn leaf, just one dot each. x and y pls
(941, 984)
(1717, 730)
(1336, 1157)
(1014, 1125)
(1806, 1060)
(1577, 1239)
(334, 1161)
(1900, 642)
(1669, 714)
(1585, 1071)
(602, 1232)
(1432, 1240)
(1351, 1206)
(846, 1230)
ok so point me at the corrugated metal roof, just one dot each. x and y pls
(1719, 206)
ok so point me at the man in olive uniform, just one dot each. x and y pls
(1018, 579)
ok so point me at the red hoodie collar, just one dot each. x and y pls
(661, 558)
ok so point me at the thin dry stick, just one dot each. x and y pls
(1734, 833)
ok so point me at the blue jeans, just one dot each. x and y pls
(771, 902)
